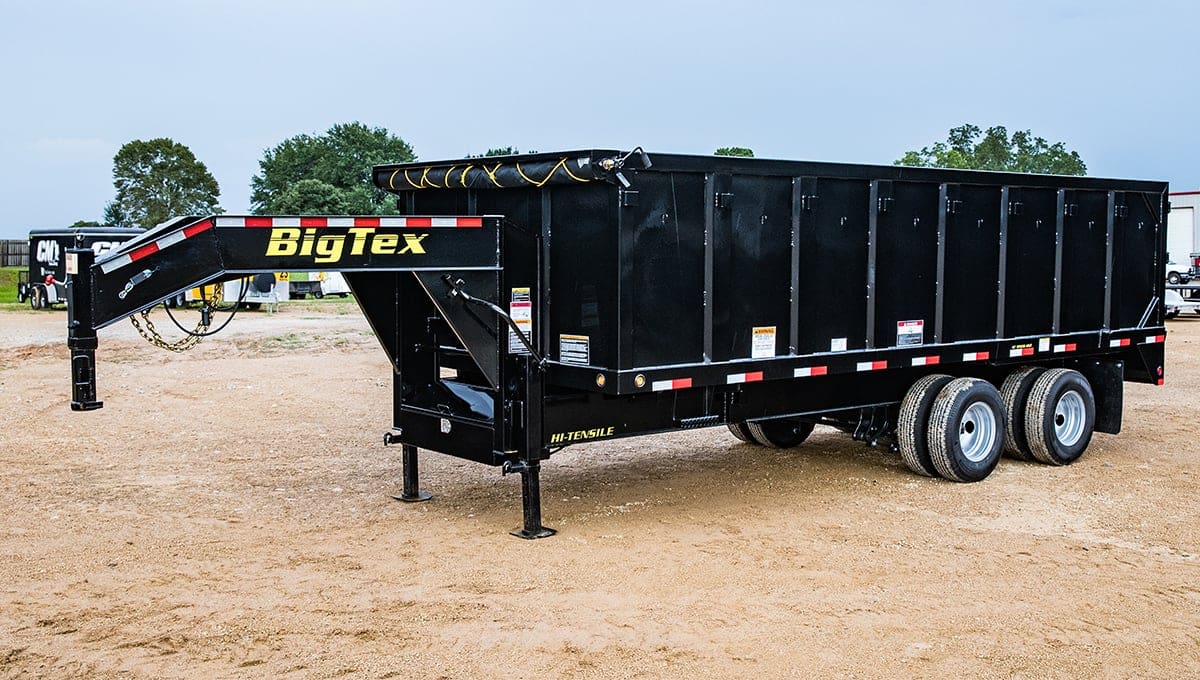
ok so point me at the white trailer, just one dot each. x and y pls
(1183, 230)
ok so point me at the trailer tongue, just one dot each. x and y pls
(533, 302)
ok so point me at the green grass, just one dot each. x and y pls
(337, 305)
(8, 284)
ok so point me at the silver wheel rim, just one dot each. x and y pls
(977, 432)
(1069, 416)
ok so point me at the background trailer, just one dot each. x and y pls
(43, 282)
(1183, 230)
(531, 302)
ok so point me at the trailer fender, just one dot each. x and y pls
(1106, 379)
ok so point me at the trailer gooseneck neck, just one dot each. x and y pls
(532, 302)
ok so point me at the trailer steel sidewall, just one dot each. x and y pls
(1060, 416)
(966, 430)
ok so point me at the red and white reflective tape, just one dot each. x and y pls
(156, 245)
(1021, 352)
(871, 365)
(352, 222)
(926, 361)
(738, 378)
(810, 371)
(977, 356)
(1069, 347)
(676, 384)
(1123, 342)
(1151, 339)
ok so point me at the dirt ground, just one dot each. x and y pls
(227, 514)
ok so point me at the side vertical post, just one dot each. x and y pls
(1114, 200)
(711, 199)
(881, 202)
(81, 335)
(1006, 209)
(1059, 234)
(798, 204)
(940, 276)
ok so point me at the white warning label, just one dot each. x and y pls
(574, 349)
(837, 345)
(910, 333)
(520, 308)
(762, 342)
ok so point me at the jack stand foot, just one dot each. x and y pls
(531, 500)
(543, 532)
(419, 497)
(412, 491)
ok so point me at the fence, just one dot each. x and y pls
(14, 253)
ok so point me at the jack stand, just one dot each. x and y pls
(408, 470)
(531, 499)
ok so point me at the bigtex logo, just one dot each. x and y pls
(292, 241)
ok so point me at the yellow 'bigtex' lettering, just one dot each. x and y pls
(290, 241)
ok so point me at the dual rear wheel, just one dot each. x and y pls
(1053, 412)
(957, 428)
(782, 433)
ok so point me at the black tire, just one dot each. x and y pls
(342, 295)
(318, 294)
(780, 434)
(740, 431)
(914, 423)
(1060, 416)
(1171, 315)
(1015, 393)
(262, 283)
(1174, 278)
(37, 298)
(966, 430)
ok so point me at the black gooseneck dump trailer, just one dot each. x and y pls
(532, 302)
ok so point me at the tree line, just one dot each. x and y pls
(330, 173)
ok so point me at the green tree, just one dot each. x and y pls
(113, 215)
(340, 160)
(158, 179)
(311, 197)
(969, 147)
(735, 151)
(499, 151)
(84, 223)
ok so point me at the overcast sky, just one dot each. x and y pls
(834, 81)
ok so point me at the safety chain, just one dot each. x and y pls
(151, 334)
